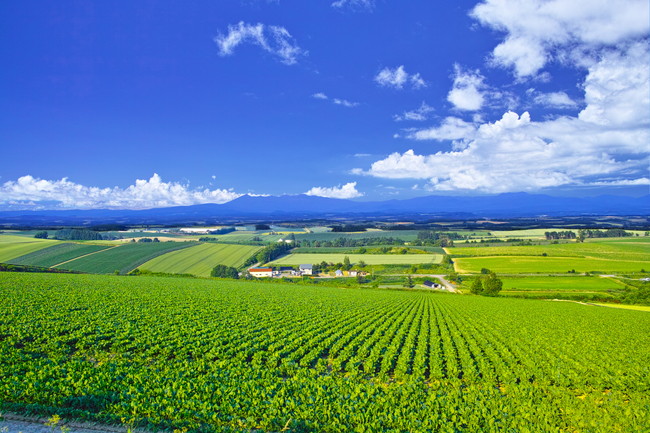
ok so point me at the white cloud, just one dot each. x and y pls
(345, 102)
(273, 39)
(141, 195)
(348, 190)
(354, 4)
(452, 128)
(418, 114)
(335, 101)
(467, 91)
(537, 31)
(398, 78)
(552, 99)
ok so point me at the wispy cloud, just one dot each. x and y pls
(336, 101)
(143, 194)
(419, 114)
(272, 39)
(551, 99)
(398, 78)
(348, 190)
(354, 4)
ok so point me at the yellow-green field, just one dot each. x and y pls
(369, 259)
(15, 246)
(200, 260)
(605, 255)
(539, 264)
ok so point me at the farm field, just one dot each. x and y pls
(316, 359)
(199, 260)
(577, 283)
(122, 258)
(369, 259)
(56, 254)
(538, 264)
(406, 235)
(619, 249)
(12, 246)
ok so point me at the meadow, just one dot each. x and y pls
(216, 356)
(369, 259)
(199, 260)
(12, 246)
(122, 258)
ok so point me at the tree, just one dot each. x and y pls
(41, 235)
(223, 271)
(485, 271)
(361, 264)
(492, 285)
(346, 263)
(408, 282)
(477, 286)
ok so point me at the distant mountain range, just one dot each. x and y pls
(292, 207)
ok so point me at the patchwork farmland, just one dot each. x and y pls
(370, 259)
(199, 260)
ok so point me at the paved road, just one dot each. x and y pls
(446, 284)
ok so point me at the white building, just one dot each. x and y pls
(306, 269)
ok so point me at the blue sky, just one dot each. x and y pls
(141, 104)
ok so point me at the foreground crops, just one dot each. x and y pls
(215, 356)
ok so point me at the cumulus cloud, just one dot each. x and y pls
(349, 190)
(272, 39)
(319, 95)
(419, 114)
(398, 78)
(150, 193)
(538, 31)
(467, 91)
(451, 128)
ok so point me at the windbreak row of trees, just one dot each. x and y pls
(269, 253)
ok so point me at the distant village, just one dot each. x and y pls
(303, 270)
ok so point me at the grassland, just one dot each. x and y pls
(199, 260)
(12, 246)
(123, 258)
(56, 254)
(370, 259)
(216, 356)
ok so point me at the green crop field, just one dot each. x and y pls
(215, 356)
(12, 246)
(200, 260)
(530, 264)
(562, 284)
(369, 259)
(56, 254)
(610, 250)
(123, 258)
(406, 235)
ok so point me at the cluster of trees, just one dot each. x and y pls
(41, 235)
(349, 228)
(348, 242)
(77, 235)
(262, 227)
(223, 271)
(609, 233)
(438, 239)
(346, 265)
(487, 285)
(269, 253)
(222, 231)
(566, 234)
(146, 240)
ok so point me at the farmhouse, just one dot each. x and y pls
(305, 269)
(431, 284)
(261, 272)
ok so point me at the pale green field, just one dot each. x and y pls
(370, 259)
(561, 284)
(620, 249)
(12, 246)
(200, 260)
(626, 307)
(538, 264)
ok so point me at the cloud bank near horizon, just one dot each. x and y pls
(30, 192)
